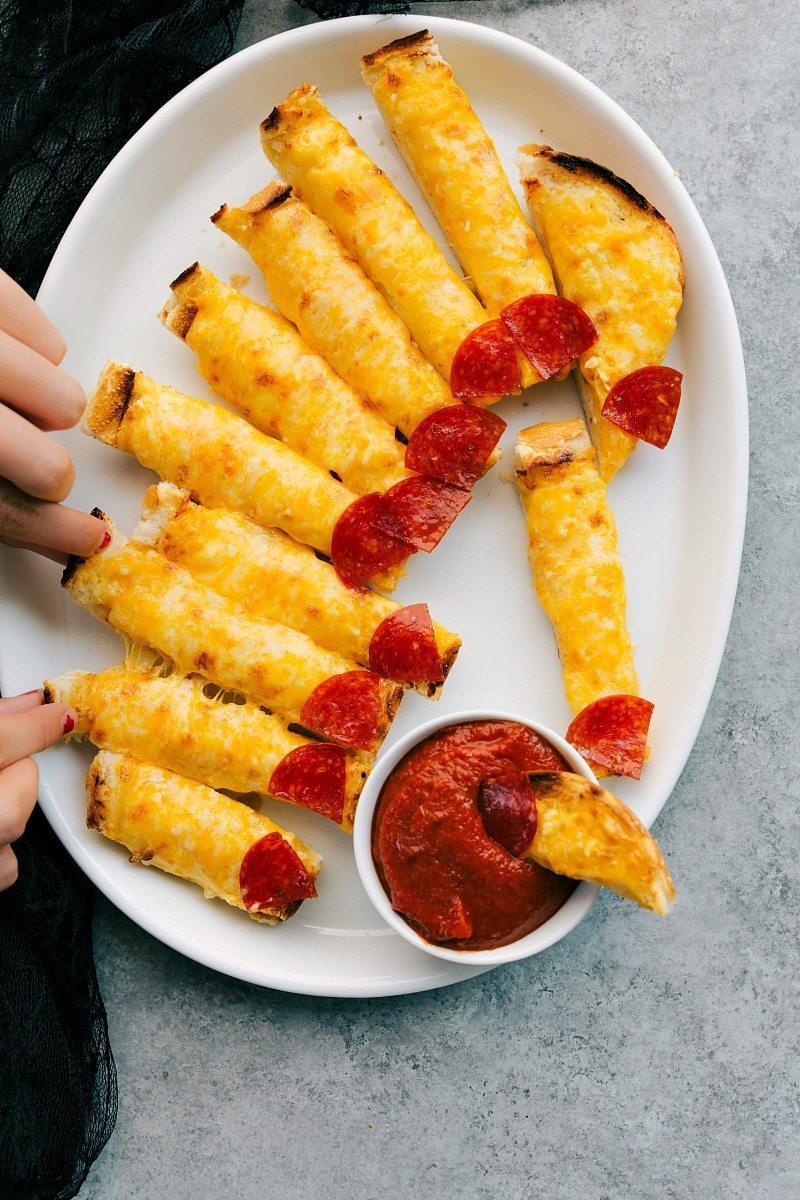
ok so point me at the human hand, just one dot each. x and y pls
(26, 727)
(36, 473)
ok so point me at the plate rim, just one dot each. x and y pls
(642, 144)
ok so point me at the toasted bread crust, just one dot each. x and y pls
(187, 273)
(585, 166)
(413, 40)
(593, 172)
(108, 403)
(289, 108)
(552, 444)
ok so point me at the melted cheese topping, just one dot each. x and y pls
(338, 311)
(270, 574)
(139, 593)
(586, 833)
(256, 360)
(455, 162)
(173, 724)
(344, 187)
(622, 265)
(180, 826)
(575, 561)
(221, 459)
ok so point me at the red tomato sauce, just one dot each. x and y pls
(442, 872)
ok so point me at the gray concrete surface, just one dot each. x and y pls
(636, 1059)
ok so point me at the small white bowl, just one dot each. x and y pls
(561, 923)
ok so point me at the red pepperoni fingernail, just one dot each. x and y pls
(68, 724)
(105, 541)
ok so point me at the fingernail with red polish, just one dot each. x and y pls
(105, 541)
(68, 724)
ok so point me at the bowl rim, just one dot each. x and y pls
(551, 931)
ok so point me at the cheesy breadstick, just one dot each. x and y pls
(257, 361)
(172, 723)
(187, 829)
(318, 157)
(615, 256)
(455, 163)
(575, 561)
(316, 284)
(573, 827)
(136, 591)
(218, 457)
(273, 577)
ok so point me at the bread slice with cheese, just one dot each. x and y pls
(274, 577)
(585, 832)
(256, 360)
(219, 458)
(156, 603)
(457, 166)
(574, 557)
(339, 313)
(615, 255)
(173, 722)
(190, 830)
(314, 152)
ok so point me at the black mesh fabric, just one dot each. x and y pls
(327, 9)
(78, 78)
(58, 1087)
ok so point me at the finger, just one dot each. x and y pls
(36, 388)
(9, 868)
(49, 528)
(24, 320)
(19, 785)
(15, 704)
(26, 733)
(34, 462)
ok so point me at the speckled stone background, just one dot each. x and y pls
(639, 1058)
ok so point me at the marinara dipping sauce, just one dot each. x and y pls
(440, 869)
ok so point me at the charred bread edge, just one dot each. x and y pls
(108, 403)
(74, 561)
(411, 41)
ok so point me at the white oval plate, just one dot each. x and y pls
(680, 512)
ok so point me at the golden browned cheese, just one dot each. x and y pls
(154, 602)
(584, 832)
(182, 827)
(256, 360)
(575, 560)
(316, 284)
(318, 157)
(172, 723)
(614, 255)
(271, 575)
(221, 459)
(456, 164)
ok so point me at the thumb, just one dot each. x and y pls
(26, 733)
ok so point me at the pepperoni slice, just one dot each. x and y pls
(455, 444)
(550, 331)
(612, 733)
(508, 809)
(360, 546)
(346, 708)
(404, 647)
(272, 875)
(420, 510)
(486, 364)
(645, 404)
(314, 776)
